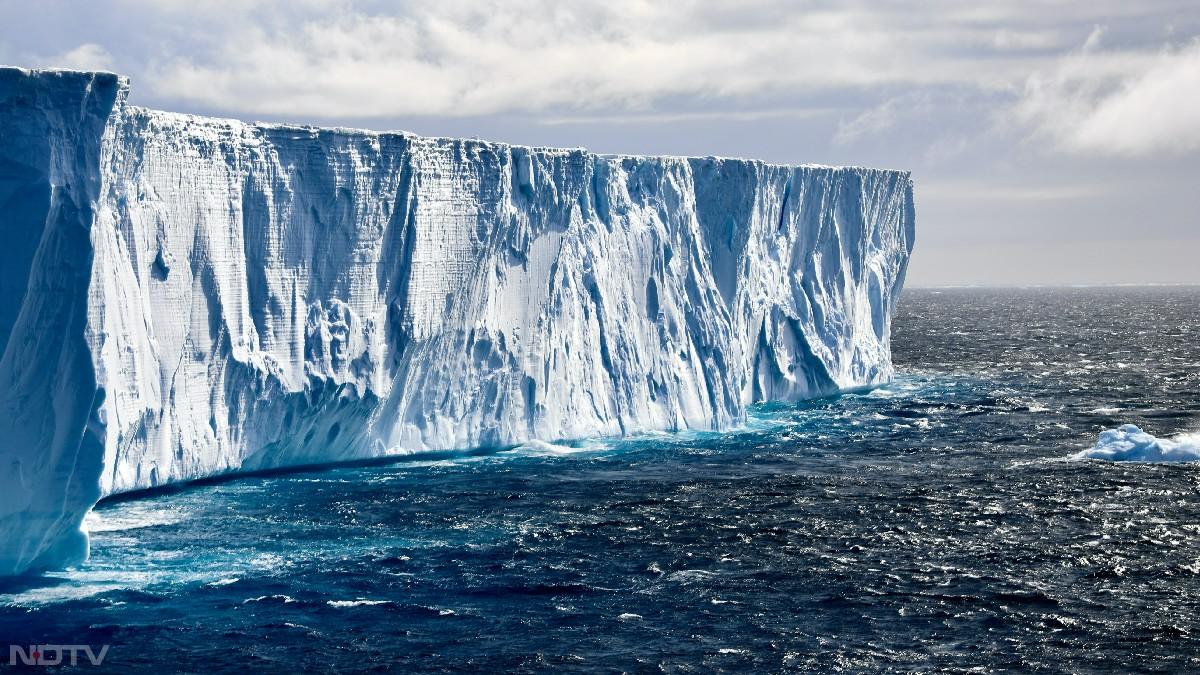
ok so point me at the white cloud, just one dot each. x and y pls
(1130, 102)
(452, 57)
(872, 122)
(1157, 111)
(895, 71)
(87, 56)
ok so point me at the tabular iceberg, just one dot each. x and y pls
(182, 297)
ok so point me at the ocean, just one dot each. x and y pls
(937, 524)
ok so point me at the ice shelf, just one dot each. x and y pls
(183, 297)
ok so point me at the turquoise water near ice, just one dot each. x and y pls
(933, 525)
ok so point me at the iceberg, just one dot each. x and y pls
(184, 297)
(1128, 443)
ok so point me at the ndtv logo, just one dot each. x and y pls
(39, 655)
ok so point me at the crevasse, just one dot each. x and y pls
(184, 297)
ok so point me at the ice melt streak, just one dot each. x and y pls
(182, 297)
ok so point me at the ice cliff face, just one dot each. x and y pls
(184, 297)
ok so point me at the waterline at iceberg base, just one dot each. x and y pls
(183, 297)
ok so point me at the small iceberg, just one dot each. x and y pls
(1128, 443)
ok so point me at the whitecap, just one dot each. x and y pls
(357, 603)
(536, 448)
(690, 575)
(132, 516)
(286, 599)
(56, 594)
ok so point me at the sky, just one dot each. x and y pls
(1050, 141)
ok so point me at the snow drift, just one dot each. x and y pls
(184, 297)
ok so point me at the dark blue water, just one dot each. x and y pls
(930, 526)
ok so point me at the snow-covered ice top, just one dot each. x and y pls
(186, 296)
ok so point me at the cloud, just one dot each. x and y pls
(87, 56)
(452, 57)
(872, 122)
(1121, 102)
(926, 81)
(1159, 110)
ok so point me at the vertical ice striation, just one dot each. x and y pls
(186, 296)
(51, 444)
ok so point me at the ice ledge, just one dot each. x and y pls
(188, 296)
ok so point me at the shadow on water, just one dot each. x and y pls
(316, 468)
(28, 582)
(764, 412)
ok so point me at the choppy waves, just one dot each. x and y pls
(928, 526)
